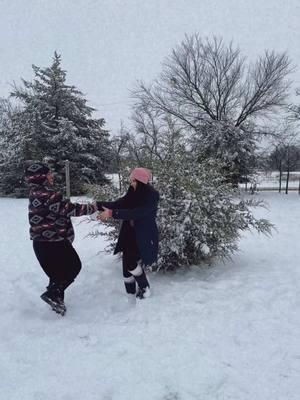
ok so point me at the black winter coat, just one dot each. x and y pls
(139, 210)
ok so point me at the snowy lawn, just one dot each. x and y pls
(227, 332)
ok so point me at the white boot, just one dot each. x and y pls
(143, 293)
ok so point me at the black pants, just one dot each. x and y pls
(132, 272)
(59, 261)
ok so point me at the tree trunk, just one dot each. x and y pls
(287, 181)
(280, 176)
(287, 176)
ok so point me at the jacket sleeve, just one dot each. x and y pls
(66, 208)
(138, 212)
(112, 205)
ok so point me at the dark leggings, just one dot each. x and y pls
(59, 261)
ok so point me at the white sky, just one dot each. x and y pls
(107, 45)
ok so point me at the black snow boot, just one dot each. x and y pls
(130, 287)
(54, 296)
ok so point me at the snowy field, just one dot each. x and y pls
(231, 331)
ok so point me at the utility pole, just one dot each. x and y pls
(67, 171)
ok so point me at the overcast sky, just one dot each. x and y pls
(107, 45)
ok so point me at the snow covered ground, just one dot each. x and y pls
(228, 332)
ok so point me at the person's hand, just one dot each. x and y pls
(101, 217)
(107, 213)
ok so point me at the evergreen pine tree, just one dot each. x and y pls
(57, 124)
(200, 216)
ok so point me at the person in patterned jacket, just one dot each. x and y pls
(52, 233)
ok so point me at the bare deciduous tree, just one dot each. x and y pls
(205, 80)
(206, 90)
(157, 135)
(119, 145)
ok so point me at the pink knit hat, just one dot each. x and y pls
(141, 174)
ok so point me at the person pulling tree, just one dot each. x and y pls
(52, 233)
(138, 238)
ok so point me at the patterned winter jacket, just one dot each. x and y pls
(50, 215)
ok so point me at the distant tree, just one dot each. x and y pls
(285, 156)
(119, 146)
(57, 124)
(292, 162)
(277, 161)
